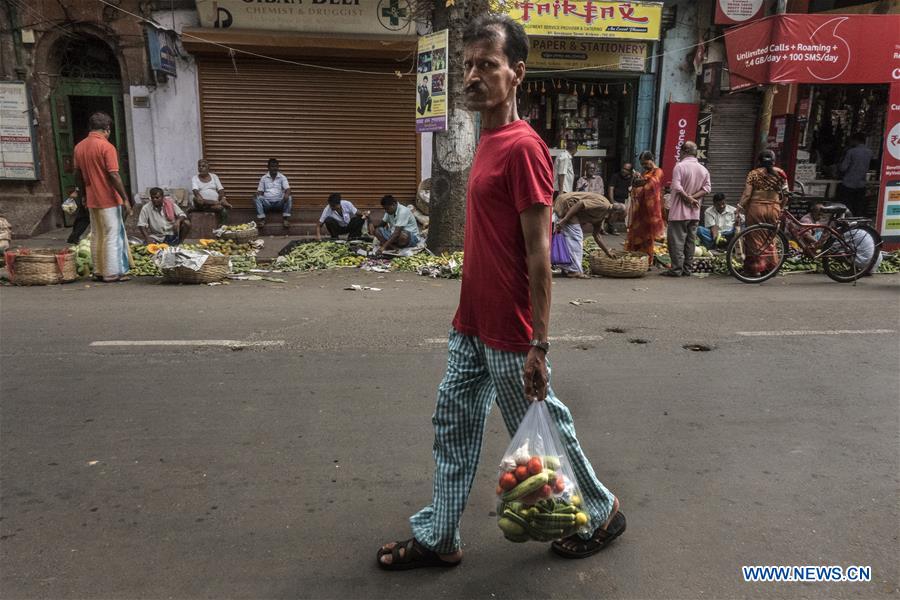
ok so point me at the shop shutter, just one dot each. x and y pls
(331, 131)
(731, 143)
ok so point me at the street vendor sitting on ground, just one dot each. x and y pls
(162, 221)
(719, 223)
(339, 217)
(573, 209)
(398, 228)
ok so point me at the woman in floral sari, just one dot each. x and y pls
(762, 203)
(646, 221)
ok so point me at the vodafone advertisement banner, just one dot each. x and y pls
(681, 126)
(817, 48)
(736, 12)
(889, 204)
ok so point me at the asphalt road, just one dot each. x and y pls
(276, 471)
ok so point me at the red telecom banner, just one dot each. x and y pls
(681, 126)
(816, 48)
(889, 204)
(737, 12)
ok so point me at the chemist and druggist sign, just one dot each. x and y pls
(576, 53)
(431, 82)
(372, 17)
(817, 48)
(620, 20)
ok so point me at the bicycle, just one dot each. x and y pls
(758, 252)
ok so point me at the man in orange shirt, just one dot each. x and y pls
(97, 175)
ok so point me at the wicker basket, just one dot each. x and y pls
(628, 264)
(244, 235)
(41, 267)
(214, 269)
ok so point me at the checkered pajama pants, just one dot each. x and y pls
(476, 376)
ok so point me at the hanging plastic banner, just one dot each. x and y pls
(431, 82)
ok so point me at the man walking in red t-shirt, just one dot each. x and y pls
(97, 175)
(498, 344)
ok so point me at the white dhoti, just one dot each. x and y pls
(109, 245)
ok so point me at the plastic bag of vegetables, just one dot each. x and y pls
(537, 496)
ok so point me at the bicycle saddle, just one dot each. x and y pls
(835, 207)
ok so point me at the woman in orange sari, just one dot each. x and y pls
(646, 222)
(762, 203)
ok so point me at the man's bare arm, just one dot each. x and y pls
(535, 222)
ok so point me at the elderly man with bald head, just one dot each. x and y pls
(690, 183)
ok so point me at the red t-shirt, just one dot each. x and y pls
(512, 170)
(95, 157)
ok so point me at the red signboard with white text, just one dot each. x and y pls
(889, 200)
(738, 12)
(814, 48)
(681, 126)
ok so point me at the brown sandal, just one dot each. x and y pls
(597, 542)
(415, 556)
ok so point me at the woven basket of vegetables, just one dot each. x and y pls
(215, 268)
(239, 233)
(626, 264)
(41, 267)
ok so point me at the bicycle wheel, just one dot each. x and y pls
(852, 256)
(756, 253)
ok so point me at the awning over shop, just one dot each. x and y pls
(814, 48)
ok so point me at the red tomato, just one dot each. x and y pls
(521, 472)
(508, 481)
(535, 466)
(559, 486)
(546, 491)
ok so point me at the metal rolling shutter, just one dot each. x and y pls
(331, 131)
(731, 143)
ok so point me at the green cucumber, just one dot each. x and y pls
(555, 518)
(510, 527)
(532, 484)
(566, 509)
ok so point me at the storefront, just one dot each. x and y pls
(323, 87)
(837, 76)
(584, 76)
(824, 119)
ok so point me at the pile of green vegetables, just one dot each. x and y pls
(313, 256)
(242, 264)
(448, 266)
(83, 261)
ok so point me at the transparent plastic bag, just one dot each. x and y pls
(537, 496)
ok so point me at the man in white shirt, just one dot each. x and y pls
(564, 169)
(340, 216)
(398, 229)
(273, 193)
(209, 194)
(720, 221)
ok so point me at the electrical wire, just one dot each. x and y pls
(232, 51)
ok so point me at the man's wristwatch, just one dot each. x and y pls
(545, 346)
